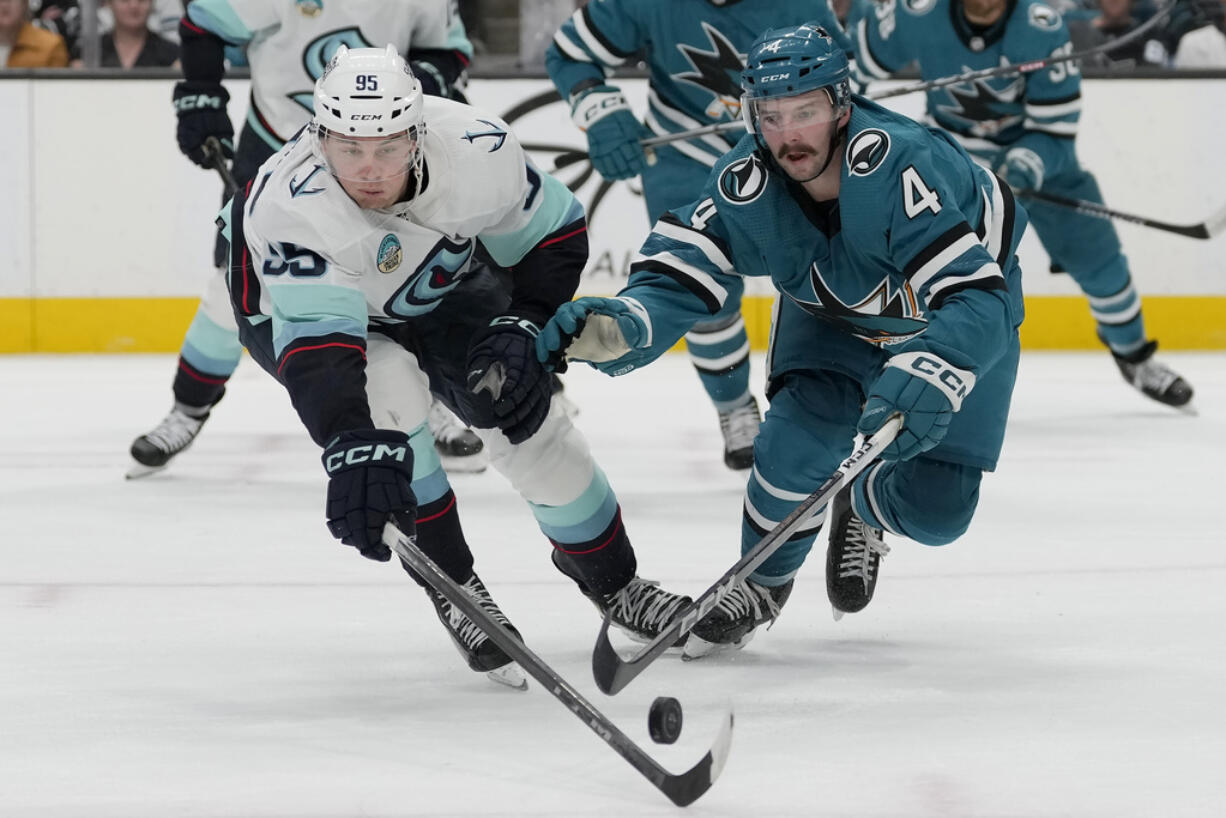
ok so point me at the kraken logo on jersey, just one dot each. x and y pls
(880, 317)
(390, 254)
(309, 8)
(443, 268)
(867, 151)
(497, 134)
(717, 71)
(317, 55)
(982, 110)
(743, 180)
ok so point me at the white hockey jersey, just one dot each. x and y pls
(289, 43)
(320, 266)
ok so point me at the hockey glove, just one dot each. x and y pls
(601, 331)
(370, 476)
(512, 386)
(1022, 169)
(927, 390)
(613, 133)
(201, 108)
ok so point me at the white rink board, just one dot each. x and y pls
(95, 206)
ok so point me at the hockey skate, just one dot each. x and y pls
(739, 427)
(458, 446)
(154, 450)
(1153, 379)
(482, 653)
(732, 622)
(853, 558)
(641, 609)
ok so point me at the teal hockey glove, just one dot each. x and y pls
(927, 390)
(613, 133)
(601, 331)
(1022, 169)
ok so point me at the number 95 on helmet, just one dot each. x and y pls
(369, 115)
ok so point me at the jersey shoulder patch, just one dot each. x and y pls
(867, 151)
(1044, 17)
(743, 180)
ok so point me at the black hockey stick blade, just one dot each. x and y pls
(680, 788)
(1207, 229)
(612, 672)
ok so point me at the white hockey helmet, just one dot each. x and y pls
(368, 92)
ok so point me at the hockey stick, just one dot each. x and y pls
(1207, 229)
(1031, 66)
(571, 157)
(613, 673)
(217, 160)
(682, 790)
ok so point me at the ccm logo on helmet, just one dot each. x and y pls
(365, 117)
(774, 77)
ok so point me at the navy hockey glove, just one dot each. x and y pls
(513, 387)
(1022, 169)
(613, 133)
(370, 476)
(927, 390)
(201, 108)
(601, 331)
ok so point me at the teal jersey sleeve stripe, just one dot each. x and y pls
(314, 310)
(219, 17)
(558, 207)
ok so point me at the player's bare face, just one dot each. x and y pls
(373, 170)
(983, 12)
(797, 131)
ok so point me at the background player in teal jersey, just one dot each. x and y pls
(287, 45)
(895, 256)
(1024, 127)
(694, 50)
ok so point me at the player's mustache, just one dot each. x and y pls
(784, 151)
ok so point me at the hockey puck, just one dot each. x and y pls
(664, 720)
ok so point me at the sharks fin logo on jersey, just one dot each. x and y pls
(743, 180)
(717, 71)
(436, 276)
(317, 55)
(867, 151)
(390, 254)
(982, 110)
(1044, 18)
(310, 8)
(883, 316)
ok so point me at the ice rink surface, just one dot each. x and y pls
(195, 644)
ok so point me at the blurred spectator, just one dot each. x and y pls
(1205, 45)
(130, 43)
(1115, 19)
(62, 17)
(23, 45)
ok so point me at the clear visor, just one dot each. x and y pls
(778, 114)
(368, 158)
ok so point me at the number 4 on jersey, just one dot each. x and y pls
(917, 196)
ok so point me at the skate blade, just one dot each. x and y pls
(837, 613)
(138, 470)
(510, 674)
(472, 464)
(1189, 409)
(698, 648)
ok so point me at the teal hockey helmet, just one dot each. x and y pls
(786, 62)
